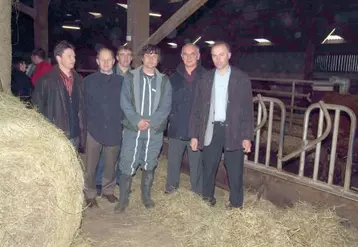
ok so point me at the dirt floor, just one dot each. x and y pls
(135, 227)
(184, 220)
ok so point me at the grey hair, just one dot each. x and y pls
(190, 44)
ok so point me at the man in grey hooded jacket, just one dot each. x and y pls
(146, 103)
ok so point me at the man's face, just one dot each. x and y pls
(35, 59)
(190, 56)
(68, 59)
(22, 66)
(220, 55)
(105, 61)
(150, 61)
(124, 58)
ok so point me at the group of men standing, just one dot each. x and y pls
(123, 115)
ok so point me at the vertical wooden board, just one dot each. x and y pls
(5, 45)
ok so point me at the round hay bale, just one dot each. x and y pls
(41, 180)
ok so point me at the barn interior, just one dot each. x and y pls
(286, 38)
(297, 51)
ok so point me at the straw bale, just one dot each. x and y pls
(259, 223)
(41, 180)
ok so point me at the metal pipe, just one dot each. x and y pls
(269, 136)
(292, 103)
(318, 146)
(279, 93)
(334, 146)
(260, 124)
(310, 145)
(258, 133)
(282, 132)
(352, 133)
(259, 98)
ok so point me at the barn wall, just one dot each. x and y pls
(273, 64)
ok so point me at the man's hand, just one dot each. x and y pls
(246, 145)
(194, 143)
(143, 124)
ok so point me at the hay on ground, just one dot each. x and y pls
(41, 180)
(260, 223)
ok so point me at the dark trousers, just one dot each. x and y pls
(234, 163)
(175, 156)
(110, 156)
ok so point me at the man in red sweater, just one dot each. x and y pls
(42, 67)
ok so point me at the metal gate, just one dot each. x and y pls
(295, 187)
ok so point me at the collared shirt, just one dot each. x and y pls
(68, 81)
(118, 70)
(221, 83)
(189, 78)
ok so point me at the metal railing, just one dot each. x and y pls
(336, 63)
(306, 146)
(309, 145)
(262, 110)
(293, 94)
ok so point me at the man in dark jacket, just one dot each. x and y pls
(58, 95)
(184, 82)
(146, 102)
(102, 92)
(21, 85)
(222, 120)
(123, 67)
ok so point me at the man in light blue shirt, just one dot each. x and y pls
(221, 83)
(222, 120)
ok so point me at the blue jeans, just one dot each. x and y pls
(99, 172)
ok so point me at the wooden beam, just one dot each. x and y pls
(41, 24)
(173, 22)
(27, 10)
(137, 26)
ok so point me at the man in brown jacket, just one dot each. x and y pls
(222, 120)
(58, 95)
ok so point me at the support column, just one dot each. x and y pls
(137, 25)
(309, 60)
(5, 45)
(41, 25)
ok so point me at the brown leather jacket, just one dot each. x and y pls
(48, 98)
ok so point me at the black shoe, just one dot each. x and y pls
(111, 198)
(91, 203)
(120, 208)
(229, 206)
(210, 200)
(99, 189)
(170, 191)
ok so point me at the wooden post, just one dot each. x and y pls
(309, 60)
(173, 22)
(5, 45)
(39, 14)
(41, 24)
(137, 26)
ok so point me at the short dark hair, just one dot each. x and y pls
(150, 49)
(61, 47)
(217, 43)
(16, 61)
(123, 48)
(105, 49)
(39, 52)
